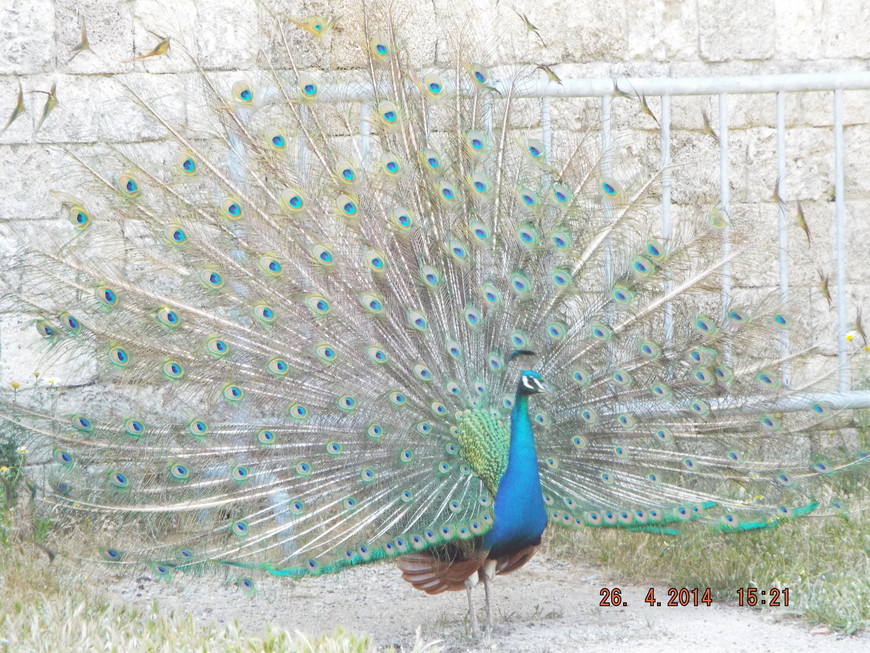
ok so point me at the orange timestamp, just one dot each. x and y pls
(612, 597)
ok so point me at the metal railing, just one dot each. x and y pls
(722, 87)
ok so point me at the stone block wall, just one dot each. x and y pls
(578, 38)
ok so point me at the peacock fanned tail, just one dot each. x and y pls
(289, 338)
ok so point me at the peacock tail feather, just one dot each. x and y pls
(297, 335)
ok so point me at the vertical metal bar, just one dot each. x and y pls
(666, 164)
(668, 315)
(237, 172)
(606, 126)
(236, 155)
(302, 147)
(724, 200)
(783, 228)
(840, 240)
(487, 114)
(546, 128)
(490, 163)
(607, 207)
(607, 171)
(365, 132)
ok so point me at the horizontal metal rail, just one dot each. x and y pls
(650, 87)
(598, 87)
(790, 403)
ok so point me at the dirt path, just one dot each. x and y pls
(547, 606)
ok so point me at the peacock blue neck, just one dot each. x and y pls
(519, 512)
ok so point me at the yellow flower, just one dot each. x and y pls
(15, 385)
(22, 451)
(3, 470)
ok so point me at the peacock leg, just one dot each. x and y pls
(487, 574)
(470, 582)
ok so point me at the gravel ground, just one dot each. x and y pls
(546, 606)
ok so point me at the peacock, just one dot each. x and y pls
(298, 340)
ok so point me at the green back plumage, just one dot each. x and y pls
(485, 442)
(302, 334)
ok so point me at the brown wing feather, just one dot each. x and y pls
(433, 576)
(509, 563)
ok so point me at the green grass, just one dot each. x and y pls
(825, 563)
(39, 613)
(76, 624)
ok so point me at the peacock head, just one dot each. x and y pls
(531, 383)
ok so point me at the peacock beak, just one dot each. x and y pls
(543, 387)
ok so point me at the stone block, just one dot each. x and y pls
(109, 28)
(845, 29)
(799, 28)
(662, 31)
(856, 155)
(20, 129)
(27, 30)
(30, 360)
(30, 174)
(154, 20)
(742, 29)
